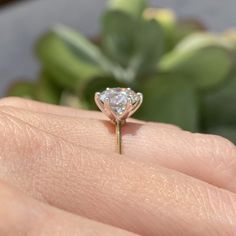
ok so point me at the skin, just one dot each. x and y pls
(21, 215)
(66, 179)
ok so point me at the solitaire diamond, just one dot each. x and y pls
(118, 98)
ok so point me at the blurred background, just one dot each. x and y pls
(22, 24)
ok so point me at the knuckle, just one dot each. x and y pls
(215, 145)
(222, 155)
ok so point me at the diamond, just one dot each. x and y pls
(118, 98)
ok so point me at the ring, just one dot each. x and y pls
(118, 104)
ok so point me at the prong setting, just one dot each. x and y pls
(118, 103)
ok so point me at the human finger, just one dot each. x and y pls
(206, 157)
(21, 215)
(111, 189)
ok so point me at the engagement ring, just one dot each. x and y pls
(118, 104)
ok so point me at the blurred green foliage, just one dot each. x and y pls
(187, 75)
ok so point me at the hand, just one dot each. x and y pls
(169, 182)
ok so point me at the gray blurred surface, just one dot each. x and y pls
(21, 25)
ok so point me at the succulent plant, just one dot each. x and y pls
(187, 75)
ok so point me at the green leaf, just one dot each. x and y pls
(47, 91)
(24, 89)
(118, 35)
(166, 17)
(201, 59)
(170, 100)
(219, 105)
(134, 8)
(88, 53)
(135, 44)
(202, 40)
(167, 20)
(228, 132)
(149, 45)
(62, 65)
(186, 28)
(81, 47)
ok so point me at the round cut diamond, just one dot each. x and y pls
(118, 103)
(118, 98)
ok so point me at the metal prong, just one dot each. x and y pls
(98, 101)
(108, 111)
(137, 104)
(128, 109)
(140, 94)
(108, 89)
(129, 104)
(97, 95)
